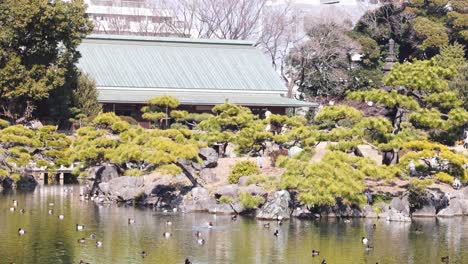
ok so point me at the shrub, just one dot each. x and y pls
(444, 177)
(250, 201)
(225, 199)
(256, 179)
(417, 193)
(134, 172)
(242, 168)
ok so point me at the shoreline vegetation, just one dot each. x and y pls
(383, 144)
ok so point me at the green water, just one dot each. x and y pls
(50, 240)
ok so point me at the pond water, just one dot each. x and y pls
(51, 240)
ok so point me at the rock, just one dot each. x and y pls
(209, 157)
(453, 209)
(27, 183)
(254, 190)
(294, 151)
(6, 183)
(208, 175)
(124, 188)
(197, 200)
(102, 174)
(400, 204)
(271, 147)
(243, 180)
(303, 213)
(368, 212)
(428, 210)
(277, 205)
(397, 216)
(230, 151)
(231, 190)
(369, 152)
(34, 124)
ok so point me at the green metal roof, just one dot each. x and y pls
(140, 96)
(145, 62)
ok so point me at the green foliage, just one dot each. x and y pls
(158, 108)
(225, 199)
(250, 201)
(432, 34)
(85, 97)
(256, 179)
(38, 47)
(417, 193)
(242, 168)
(444, 177)
(340, 115)
(134, 172)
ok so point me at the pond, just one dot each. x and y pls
(51, 240)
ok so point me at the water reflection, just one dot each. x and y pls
(51, 240)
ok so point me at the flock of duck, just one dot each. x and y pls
(199, 238)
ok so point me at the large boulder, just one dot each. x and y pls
(6, 183)
(303, 213)
(276, 206)
(254, 190)
(209, 157)
(401, 204)
(208, 175)
(197, 200)
(124, 188)
(427, 210)
(27, 183)
(231, 190)
(398, 216)
(368, 212)
(369, 152)
(102, 174)
(454, 208)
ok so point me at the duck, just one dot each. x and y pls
(234, 217)
(187, 261)
(267, 225)
(198, 234)
(315, 253)
(144, 254)
(276, 233)
(324, 262)
(201, 241)
(12, 209)
(165, 211)
(82, 262)
(174, 210)
(79, 227)
(210, 224)
(369, 247)
(445, 259)
(22, 211)
(131, 221)
(82, 240)
(21, 231)
(168, 223)
(374, 226)
(347, 221)
(61, 217)
(51, 211)
(15, 203)
(167, 234)
(92, 236)
(365, 240)
(280, 222)
(98, 243)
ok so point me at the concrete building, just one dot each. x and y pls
(131, 17)
(129, 70)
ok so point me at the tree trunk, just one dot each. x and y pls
(188, 174)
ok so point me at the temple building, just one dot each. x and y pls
(129, 70)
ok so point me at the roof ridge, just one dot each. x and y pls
(171, 39)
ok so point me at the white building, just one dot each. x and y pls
(131, 17)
